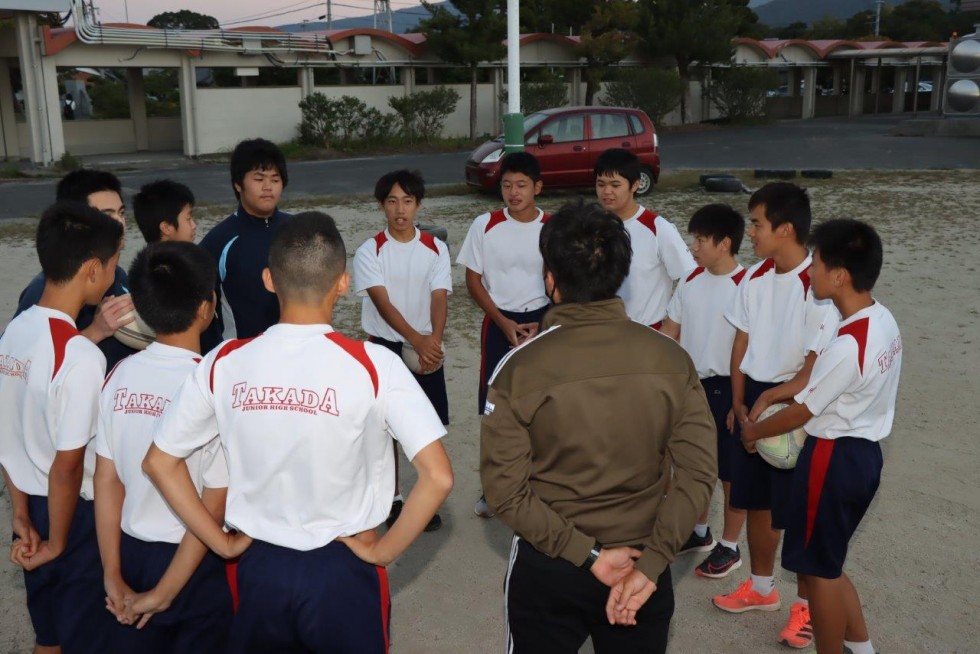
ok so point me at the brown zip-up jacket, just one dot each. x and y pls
(575, 435)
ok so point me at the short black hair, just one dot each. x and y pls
(169, 281)
(618, 161)
(521, 162)
(410, 180)
(588, 251)
(77, 185)
(785, 202)
(852, 245)
(160, 202)
(256, 154)
(71, 233)
(307, 256)
(717, 221)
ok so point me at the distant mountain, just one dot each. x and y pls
(402, 20)
(783, 12)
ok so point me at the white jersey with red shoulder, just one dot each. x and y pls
(660, 257)
(50, 376)
(409, 272)
(698, 306)
(781, 317)
(137, 393)
(306, 416)
(504, 251)
(854, 382)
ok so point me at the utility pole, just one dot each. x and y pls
(878, 4)
(329, 15)
(383, 7)
(513, 120)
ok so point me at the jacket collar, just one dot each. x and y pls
(255, 220)
(584, 313)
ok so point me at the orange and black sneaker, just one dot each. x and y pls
(745, 599)
(798, 632)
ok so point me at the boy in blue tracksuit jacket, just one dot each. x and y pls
(240, 243)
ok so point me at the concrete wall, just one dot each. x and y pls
(165, 134)
(223, 115)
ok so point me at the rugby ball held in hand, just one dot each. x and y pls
(782, 450)
(134, 333)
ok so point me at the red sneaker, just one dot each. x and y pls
(745, 599)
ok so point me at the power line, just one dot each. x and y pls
(260, 14)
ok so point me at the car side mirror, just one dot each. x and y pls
(546, 139)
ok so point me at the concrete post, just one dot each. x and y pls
(188, 111)
(838, 78)
(408, 80)
(498, 87)
(809, 92)
(42, 102)
(306, 84)
(898, 92)
(576, 95)
(857, 91)
(9, 144)
(792, 83)
(137, 107)
(937, 87)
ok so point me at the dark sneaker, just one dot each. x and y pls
(720, 562)
(396, 510)
(435, 524)
(698, 544)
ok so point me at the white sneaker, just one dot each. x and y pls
(482, 509)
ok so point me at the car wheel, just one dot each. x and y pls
(646, 181)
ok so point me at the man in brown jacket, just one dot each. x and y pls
(574, 451)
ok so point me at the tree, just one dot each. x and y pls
(183, 20)
(607, 37)
(473, 36)
(828, 27)
(656, 91)
(692, 32)
(917, 20)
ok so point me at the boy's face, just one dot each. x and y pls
(519, 191)
(101, 279)
(824, 281)
(616, 193)
(260, 191)
(186, 227)
(707, 252)
(765, 240)
(109, 203)
(400, 209)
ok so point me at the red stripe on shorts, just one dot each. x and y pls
(385, 603)
(819, 463)
(231, 571)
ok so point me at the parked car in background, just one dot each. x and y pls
(567, 141)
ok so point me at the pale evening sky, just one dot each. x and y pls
(254, 12)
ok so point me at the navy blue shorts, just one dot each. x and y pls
(719, 393)
(756, 485)
(324, 600)
(833, 484)
(198, 619)
(66, 597)
(433, 384)
(494, 346)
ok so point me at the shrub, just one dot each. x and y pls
(349, 112)
(424, 113)
(547, 92)
(656, 91)
(109, 99)
(740, 92)
(319, 120)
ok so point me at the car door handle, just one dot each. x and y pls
(578, 148)
(626, 144)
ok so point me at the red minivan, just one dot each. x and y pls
(567, 141)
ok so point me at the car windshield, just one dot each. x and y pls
(530, 122)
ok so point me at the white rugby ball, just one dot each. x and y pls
(134, 333)
(411, 359)
(782, 450)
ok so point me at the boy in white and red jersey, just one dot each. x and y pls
(152, 565)
(504, 271)
(306, 418)
(847, 408)
(696, 318)
(404, 276)
(778, 324)
(50, 377)
(660, 256)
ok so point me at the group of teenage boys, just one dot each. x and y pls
(199, 449)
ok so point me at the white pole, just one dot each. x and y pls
(513, 58)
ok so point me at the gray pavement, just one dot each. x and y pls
(833, 143)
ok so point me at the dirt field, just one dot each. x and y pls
(913, 560)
